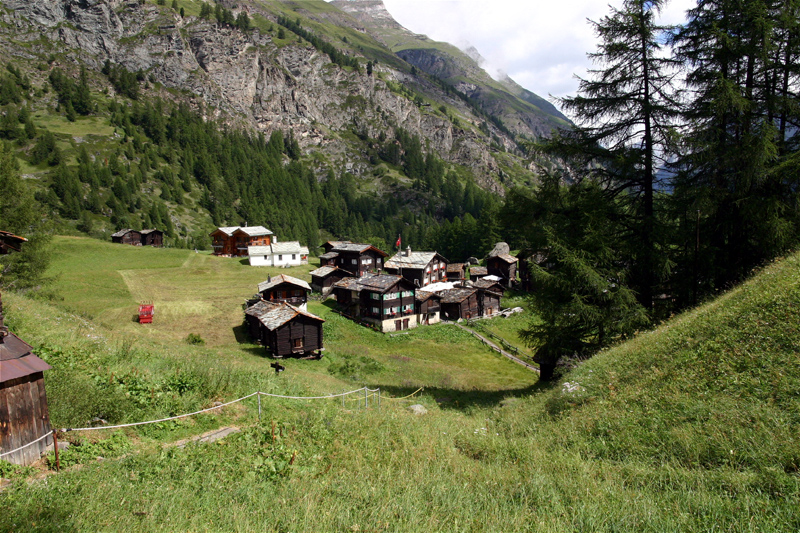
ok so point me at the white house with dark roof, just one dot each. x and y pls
(278, 254)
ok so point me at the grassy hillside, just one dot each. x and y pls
(691, 427)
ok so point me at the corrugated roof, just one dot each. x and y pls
(282, 278)
(254, 231)
(122, 232)
(275, 315)
(414, 260)
(454, 296)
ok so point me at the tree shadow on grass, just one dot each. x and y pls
(460, 399)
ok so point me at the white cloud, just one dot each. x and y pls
(540, 44)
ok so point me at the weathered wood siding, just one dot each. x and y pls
(301, 327)
(24, 418)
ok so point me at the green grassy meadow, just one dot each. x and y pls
(690, 427)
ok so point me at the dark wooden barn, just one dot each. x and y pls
(456, 272)
(283, 288)
(460, 303)
(477, 272)
(429, 307)
(503, 266)
(152, 237)
(324, 277)
(285, 330)
(10, 242)
(353, 257)
(24, 417)
(127, 236)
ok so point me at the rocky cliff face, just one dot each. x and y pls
(250, 79)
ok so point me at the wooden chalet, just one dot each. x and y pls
(461, 303)
(420, 268)
(283, 288)
(477, 272)
(429, 307)
(24, 417)
(324, 277)
(356, 258)
(383, 300)
(456, 272)
(503, 266)
(127, 236)
(10, 242)
(285, 330)
(234, 240)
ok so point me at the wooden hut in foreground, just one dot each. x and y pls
(284, 330)
(24, 417)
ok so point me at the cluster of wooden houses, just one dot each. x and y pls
(259, 244)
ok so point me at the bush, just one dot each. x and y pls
(195, 339)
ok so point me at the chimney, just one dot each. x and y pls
(408, 251)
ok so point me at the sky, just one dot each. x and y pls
(541, 44)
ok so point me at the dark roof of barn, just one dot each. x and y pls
(123, 232)
(456, 267)
(487, 284)
(506, 257)
(478, 271)
(17, 360)
(322, 272)
(356, 247)
(329, 255)
(149, 231)
(371, 282)
(274, 315)
(282, 278)
(422, 296)
(455, 296)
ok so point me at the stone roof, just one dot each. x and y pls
(478, 271)
(421, 296)
(321, 272)
(485, 283)
(228, 230)
(510, 259)
(149, 231)
(414, 260)
(289, 247)
(456, 267)
(356, 247)
(455, 296)
(122, 232)
(329, 255)
(274, 315)
(282, 278)
(253, 231)
(371, 282)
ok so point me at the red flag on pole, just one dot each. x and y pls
(398, 242)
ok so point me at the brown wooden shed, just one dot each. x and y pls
(284, 330)
(127, 236)
(24, 417)
(152, 237)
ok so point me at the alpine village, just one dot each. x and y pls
(286, 265)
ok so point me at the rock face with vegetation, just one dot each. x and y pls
(256, 79)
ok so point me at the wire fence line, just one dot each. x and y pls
(366, 390)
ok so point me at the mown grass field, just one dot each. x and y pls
(691, 427)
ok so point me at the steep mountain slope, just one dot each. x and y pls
(519, 110)
(259, 80)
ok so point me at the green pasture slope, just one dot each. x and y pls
(691, 427)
